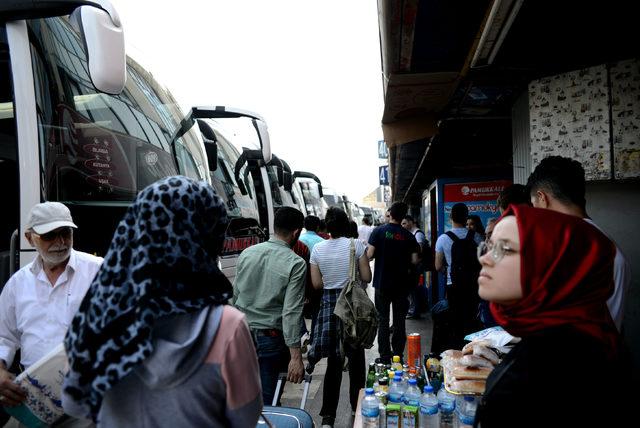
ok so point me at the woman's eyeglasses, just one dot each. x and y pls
(498, 250)
(64, 232)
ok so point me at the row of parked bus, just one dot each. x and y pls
(83, 124)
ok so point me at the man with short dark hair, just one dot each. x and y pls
(396, 252)
(514, 194)
(416, 296)
(269, 289)
(39, 301)
(463, 303)
(558, 184)
(310, 236)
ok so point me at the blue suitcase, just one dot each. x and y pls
(287, 417)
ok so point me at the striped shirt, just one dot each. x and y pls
(332, 258)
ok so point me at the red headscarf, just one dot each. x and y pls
(566, 274)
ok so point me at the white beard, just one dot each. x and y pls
(55, 257)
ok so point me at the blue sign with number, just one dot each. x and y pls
(383, 151)
(383, 175)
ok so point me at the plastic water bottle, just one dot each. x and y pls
(412, 394)
(429, 409)
(370, 409)
(404, 381)
(396, 391)
(446, 408)
(411, 406)
(467, 412)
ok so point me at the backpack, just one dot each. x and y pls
(426, 255)
(356, 310)
(465, 267)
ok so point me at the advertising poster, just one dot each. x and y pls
(480, 198)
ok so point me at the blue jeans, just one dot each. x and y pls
(273, 358)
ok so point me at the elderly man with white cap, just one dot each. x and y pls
(39, 301)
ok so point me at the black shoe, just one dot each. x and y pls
(328, 421)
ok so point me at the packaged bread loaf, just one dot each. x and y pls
(475, 361)
(467, 386)
(460, 372)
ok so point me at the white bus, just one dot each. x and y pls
(239, 176)
(80, 123)
(309, 187)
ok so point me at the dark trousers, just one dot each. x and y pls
(400, 303)
(273, 358)
(333, 379)
(417, 297)
(464, 311)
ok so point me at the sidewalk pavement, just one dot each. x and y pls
(293, 393)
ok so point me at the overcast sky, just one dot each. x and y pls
(310, 68)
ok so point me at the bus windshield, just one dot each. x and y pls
(312, 199)
(96, 147)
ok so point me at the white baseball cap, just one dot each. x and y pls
(49, 216)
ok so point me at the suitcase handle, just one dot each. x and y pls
(283, 377)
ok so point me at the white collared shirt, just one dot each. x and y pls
(35, 316)
(621, 281)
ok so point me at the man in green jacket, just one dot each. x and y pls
(269, 289)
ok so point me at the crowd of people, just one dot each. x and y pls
(156, 335)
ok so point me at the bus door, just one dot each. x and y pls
(10, 214)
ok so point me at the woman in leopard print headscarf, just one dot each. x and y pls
(151, 314)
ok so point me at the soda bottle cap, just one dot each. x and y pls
(396, 359)
(383, 381)
(399, 373)
(370, 391)
(428, 388)
(412, 381)
(397, 379)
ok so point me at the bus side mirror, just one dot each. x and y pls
(210, 144)
(265, 143)
(103, 37)
(288, 181)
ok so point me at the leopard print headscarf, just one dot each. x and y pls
(161, 262)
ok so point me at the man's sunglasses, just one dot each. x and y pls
(64, 232)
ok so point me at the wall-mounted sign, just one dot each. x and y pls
(383, 175)
(479, 197)
(383, 151)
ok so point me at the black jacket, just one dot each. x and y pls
(559, 377)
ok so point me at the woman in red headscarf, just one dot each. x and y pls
(548, 276)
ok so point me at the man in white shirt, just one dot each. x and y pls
(39, 301)
(463, 304)
(558, 184)
(364, 231)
